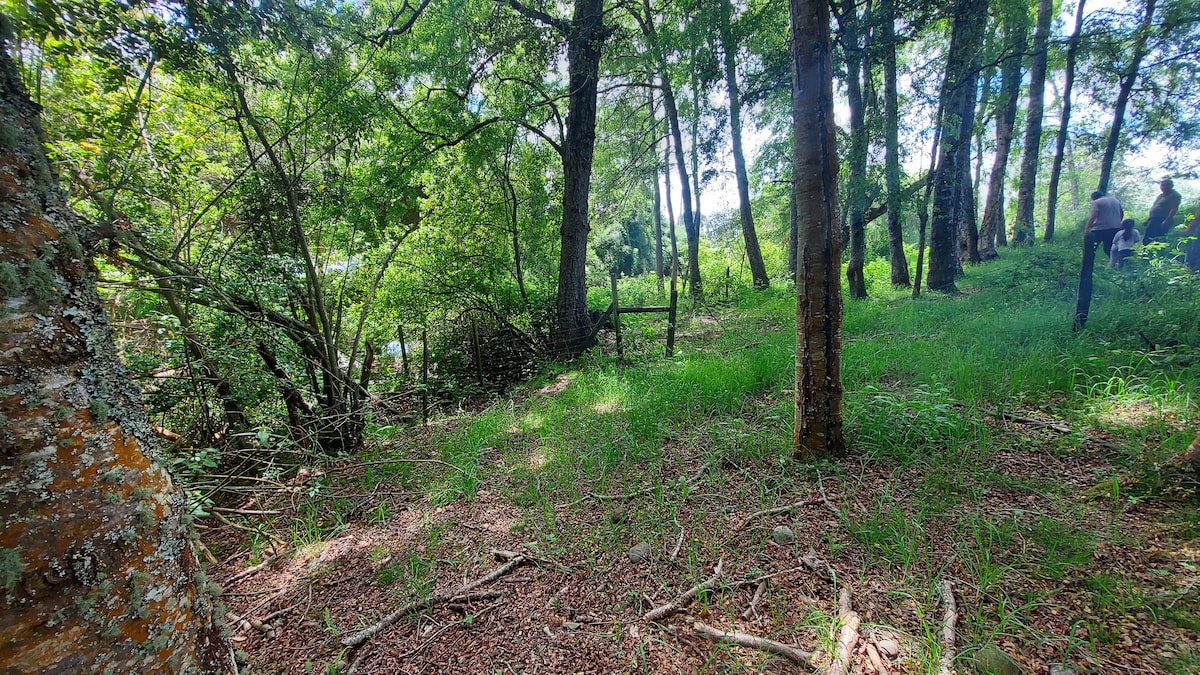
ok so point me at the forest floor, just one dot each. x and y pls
(989, 447)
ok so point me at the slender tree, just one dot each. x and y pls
(1027, 187)
(818, 419)
(758, 269)
(852, 29)
(98, 570)
(1060, 144)
(1129, 77)
(891, 126)
(1016, 30)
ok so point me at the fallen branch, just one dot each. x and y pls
(246, 528)
(254, 570)
(686, 598)
(630, 495)
(848, 636)
(458, 594)
(796, 656)
(948, 620)
(758, 593)
(678, 545)
(825, 497)
(775, 511)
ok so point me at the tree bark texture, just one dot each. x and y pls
(1027, 187)
(992, 224)
(96, 566)
(849, 23)
(658, 224)
(1128, 79)
(891, 127)
(818, 409)
(968, 225)
(958, 102)
(585, 39)
(758, 269)
(1060, 144)
(691, 226)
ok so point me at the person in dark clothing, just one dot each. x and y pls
(1162, 213)
(1104, 220)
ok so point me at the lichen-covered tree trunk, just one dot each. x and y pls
(891, 126)
(1027, 186)
(958, 103)
(818, 409)
(97, 571)
(1060, 144)
(1016, 30)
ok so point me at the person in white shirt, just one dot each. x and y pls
(1123, 243)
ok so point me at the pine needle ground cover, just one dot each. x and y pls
(991, 447)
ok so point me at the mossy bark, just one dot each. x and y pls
(97, 570)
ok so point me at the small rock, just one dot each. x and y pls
(241, 657)
(889, 648)
(640, 553)
(1061, 669)
(990, 660)
(572, 625)
(783, 535)
(618, 516)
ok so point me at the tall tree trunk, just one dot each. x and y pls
(968, 226)
(1060, 144)
(992, 226)
(758, 269)
(1027, 187)
(848, 22)
(691, 228)
(891, 127)
(818, 408)
(658, 225)
(585, 40)
(1128, 79)
(958, 102)
(99, 574)
(793, 232)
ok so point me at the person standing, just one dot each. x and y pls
(1162, 213)
(1192, 255)
(1104, 222)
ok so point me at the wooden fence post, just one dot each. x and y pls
(424, 376)
(616, 316)
(476, 351)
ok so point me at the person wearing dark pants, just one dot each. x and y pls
(1104, 221)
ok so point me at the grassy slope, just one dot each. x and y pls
(940, 485)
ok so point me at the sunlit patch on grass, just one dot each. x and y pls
(608, 406)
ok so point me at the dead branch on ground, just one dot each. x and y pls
(686, 598)
(848, 636)
(254, 570)
(796, 656)
(758, 593)
(776, 511)
(948, 620)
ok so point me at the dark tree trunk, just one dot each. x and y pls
(818, 408)
(793, 233)
(1128, 79)
(1060, 144)
(958, 103)
(1027, 187)
(99, 573)
(758, 269)
(585, 39)
(658, 225)
(891, 126)
(849, 23)
(691, 227)
(992, 225)
(968, 226)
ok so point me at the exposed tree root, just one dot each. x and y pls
(796, 656)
